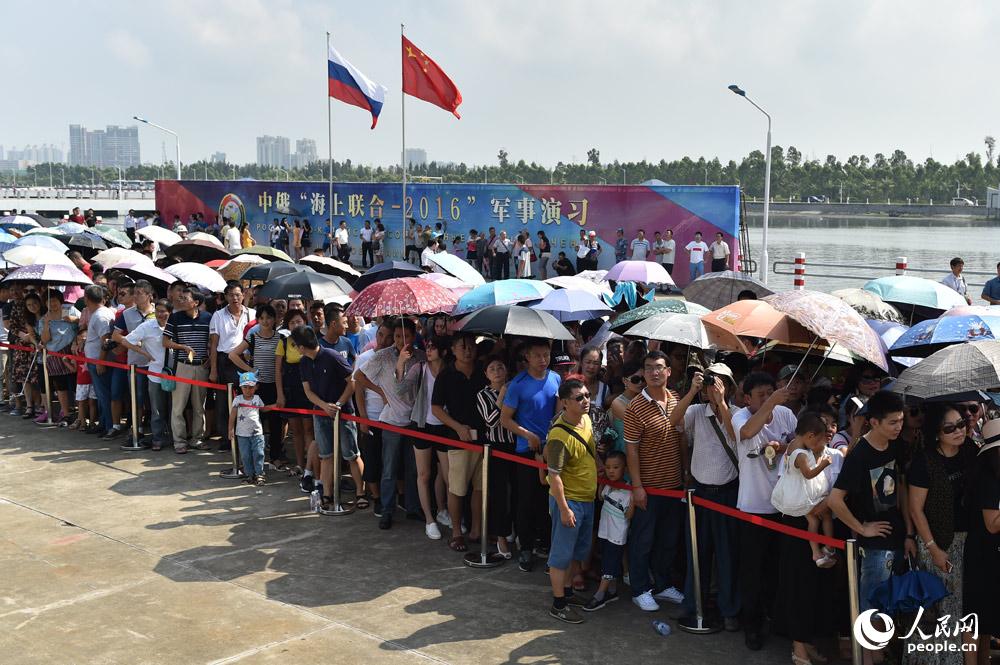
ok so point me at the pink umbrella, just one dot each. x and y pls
(403, 296)
(453, 284)
(647, 272)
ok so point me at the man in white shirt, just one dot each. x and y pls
(225, 333)
(696, 250)
(955, 281)
(130, 223)
(367, 255)
(763, 428)
(233, 244)
(342, 241)
(429, 250)
(640, 247)
(662, 250)
(720, 254)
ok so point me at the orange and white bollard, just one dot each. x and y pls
(900, 265)
(799, 281)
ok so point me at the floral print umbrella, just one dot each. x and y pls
(833, 320)
(403, 296)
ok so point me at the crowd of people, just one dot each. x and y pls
(615, 422)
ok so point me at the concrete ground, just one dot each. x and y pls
(115, 557)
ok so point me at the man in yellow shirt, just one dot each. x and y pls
(571, 458)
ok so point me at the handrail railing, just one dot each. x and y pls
(788, 268)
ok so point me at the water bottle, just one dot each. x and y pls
(314, 501)
(662, 627)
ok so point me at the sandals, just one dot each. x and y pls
(294, 471)
(578, 583)
(457, 544)
(280, 465)
(362, 501)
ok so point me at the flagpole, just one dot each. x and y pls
(402, 107)
(329, 147)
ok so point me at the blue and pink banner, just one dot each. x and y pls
(559, 210)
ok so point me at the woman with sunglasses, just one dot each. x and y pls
(634, 384)
(937, 478)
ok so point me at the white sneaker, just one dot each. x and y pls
(432, 531)
(444, 518)
(671, 595)
(645, 602)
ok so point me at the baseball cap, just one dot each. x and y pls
(786, 371)
(593, 233)
(248, 379)
(562, 359)
(721, 369)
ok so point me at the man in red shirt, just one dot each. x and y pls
(75, 216)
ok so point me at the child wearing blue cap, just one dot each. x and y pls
(245, 425)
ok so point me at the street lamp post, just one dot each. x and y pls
(624, 181)
(281, 170)
(121, 177)
(177, 140)
(767, 181)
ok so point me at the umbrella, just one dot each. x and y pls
(457, 267)
(908, 592)
(6, 237)
(453, 284)
(915, 296)
(42, 220)
(502, 292)
(29, 256)
(580, 284)
(263, 272)
(629, 318)
(50, 274)
(572, 305)
(86, 243)
(233, 269)
(147, 271)
(109, 258)
(869, 305)
(111, 235)
(201, 235)
(954, 369)
(200, 275)
(980, 310)
(648, 272)
(69, 228)
(45, 231)
(20, 222)
(687, 329)
(308, 286)
(595, 276)
(515, 320)
(888, 332)
(46, 242)
(757, 318)
(265, 251)
(718, 289)
(215, 264)
(926, 337)
(158, 234)
(198, 251)
(387, 270)
(5, 246)
(402, 295)
(328, 266)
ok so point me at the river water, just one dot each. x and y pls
(927, 243)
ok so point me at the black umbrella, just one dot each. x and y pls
(86, 244)
(308, 286)
(45, 222)
(514, 320)
(196, 251)
(265, 272)
(387, 270)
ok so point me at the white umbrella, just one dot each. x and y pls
(109, 258)
(30, 256)
(580, 284)
(42, 242)
(199, 275)
(596, 276)
(198, 235)
(165, 237)
(457, 267)
(333, 264)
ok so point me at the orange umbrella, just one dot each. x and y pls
(756, 318)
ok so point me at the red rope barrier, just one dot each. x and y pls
(770, 524)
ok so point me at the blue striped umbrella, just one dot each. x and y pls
(501, 292)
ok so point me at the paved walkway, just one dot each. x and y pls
(117, 557)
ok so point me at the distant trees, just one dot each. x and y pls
(883, 176)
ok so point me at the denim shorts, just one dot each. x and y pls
(611, 559)
(323, 428)
(570, 544)
(876, 568)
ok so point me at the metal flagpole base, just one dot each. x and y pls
(232, 474)
(337, 508)
(699, 626)
(483, 560)
(133, 447)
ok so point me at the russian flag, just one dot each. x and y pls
(352, 87)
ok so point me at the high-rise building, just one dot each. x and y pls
(305, 152)
(113, 146)
(273, 151)
(218, 158)
(416, 157)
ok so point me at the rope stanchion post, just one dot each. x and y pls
(700, 626)
(482, 558)
(134, 445)
(857, 658)
(233, 473)
(900, 265)
(337, 508)
(799, 281)
(48, 387)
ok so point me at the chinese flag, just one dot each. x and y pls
(424, 79)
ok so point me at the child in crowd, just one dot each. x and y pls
(245, 425)
(803, 486)
(612, 531)
(86, 395)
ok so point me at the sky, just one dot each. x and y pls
(544, 79)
